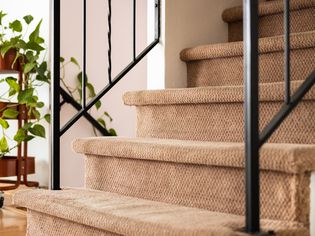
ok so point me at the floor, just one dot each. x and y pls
(12, 220)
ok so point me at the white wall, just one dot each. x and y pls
(72, 165)
(185, 23)
(40, 10)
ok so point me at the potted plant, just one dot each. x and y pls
(20, 53)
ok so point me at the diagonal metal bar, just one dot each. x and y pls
(67, 98)
(286, 109)
(108, 87)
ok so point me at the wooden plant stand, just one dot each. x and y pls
(20, 165)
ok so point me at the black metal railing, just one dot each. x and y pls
(83, 108)
(253, 138)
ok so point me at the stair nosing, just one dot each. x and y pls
(269, 92)
(288, 158)
(301, 40)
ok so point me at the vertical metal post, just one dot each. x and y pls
(84, 56)
(55, 100)
(251, 114)
(287, 49)
(157, 19)
(109, 35)
(134, 28)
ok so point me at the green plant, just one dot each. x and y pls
(28, 49)
(76, 93)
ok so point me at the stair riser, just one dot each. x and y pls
(272, 25)
(229, 71)
(222, 122)
(218, 189)
(40, 224)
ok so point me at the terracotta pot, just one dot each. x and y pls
(8, 166)
(7, 61)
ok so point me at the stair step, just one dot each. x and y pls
(222, 64)
(289, 158)
(216, 113)
(206, 175)
(87, 212)
(302, 14)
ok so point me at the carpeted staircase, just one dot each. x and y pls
(184, 173)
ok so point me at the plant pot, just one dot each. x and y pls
(6, 62)
(8, 166)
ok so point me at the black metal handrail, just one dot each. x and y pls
(83, 108)
(253, 139)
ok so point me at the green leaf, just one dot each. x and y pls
(16, 26)
(110, 118)
(29, 138)
(36, 114)
(14, 86)
(47, 118)
(62, 59)
(27, 125)
(4, 123)
(29, 67)
(21, 44)
(20, 135)
(28, 19)
(2, 15)
(74, 61)
(40, 105)
(102, 122)
(98, 105)
(30, 56)
(112, 132)
(4, 147)
(31, 101)
(25, 95)
(42, 68)
(10, 113)
(42, 78)
(38, 130)
(91, 89)
(35, 46)
(5, 48)
(34, 36)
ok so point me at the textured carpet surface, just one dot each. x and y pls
(222, 64)
(266, 8)
(131, 216)
(216, 114)
(300, 22)
(289, 158)
(200, 174)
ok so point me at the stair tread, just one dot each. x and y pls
(235, 49)
(133, 216)
(265, 8)
(290, 158)
(212, 94)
